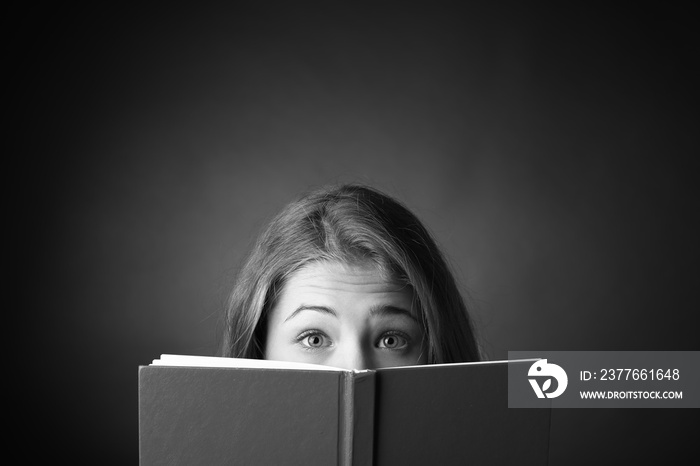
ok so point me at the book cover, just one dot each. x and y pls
(204, 410)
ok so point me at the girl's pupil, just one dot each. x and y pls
(390, 341)
(315, 340)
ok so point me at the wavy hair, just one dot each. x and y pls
(350, 224)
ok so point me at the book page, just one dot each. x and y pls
(454, 364)
(214, 361)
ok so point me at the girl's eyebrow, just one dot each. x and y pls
(388, 310)
(307, 307)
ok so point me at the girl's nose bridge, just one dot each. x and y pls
(355, 354)
(361, 359)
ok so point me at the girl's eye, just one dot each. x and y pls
(313, 340)
(392, 341)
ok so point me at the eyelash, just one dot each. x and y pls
(395, 334)
(310, 333)
(391, 333)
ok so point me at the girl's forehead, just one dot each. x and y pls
(346, 291)
(336, 276)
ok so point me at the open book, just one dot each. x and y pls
(211, 411)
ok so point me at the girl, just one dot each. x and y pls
(346, 276)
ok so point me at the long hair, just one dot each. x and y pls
(350, 224)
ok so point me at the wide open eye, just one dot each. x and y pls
(314, 340)
(392, 341)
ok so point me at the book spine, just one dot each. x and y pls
(356, 428)
(347, 419)
(363, 418)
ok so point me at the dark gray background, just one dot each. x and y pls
(549, 151)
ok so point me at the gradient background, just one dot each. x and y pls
(548, 151)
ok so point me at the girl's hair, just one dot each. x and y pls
(351, 224)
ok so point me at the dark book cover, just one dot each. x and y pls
(440, 414)
(455, 414)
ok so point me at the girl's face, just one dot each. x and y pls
(346, 316)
